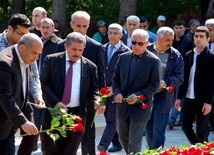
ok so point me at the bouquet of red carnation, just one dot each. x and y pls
(139, 98)
(103, 92)
(168, 88)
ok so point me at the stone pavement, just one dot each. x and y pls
(173, 137)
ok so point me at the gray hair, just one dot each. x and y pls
(192, 22)
(161, 31)
(76, 37)
(141, 33)
(81, 14)
(28, 39)
(133, 17)
(47, 20)
(209, 22)
(116, 26)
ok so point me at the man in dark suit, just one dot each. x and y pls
(14, 79)
(137, 73)
(55, 83)
(111, 53)
(49, 40)
(198, 87)
(93, 51)
(132, 23)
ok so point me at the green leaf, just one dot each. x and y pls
(70, 121)
(54, 122)
(58, 117)
(54, 137)
(147, 147)
(63, 132)
(174, 153)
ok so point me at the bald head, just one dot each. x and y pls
(29, 47)
(37, 15)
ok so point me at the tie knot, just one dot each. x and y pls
(136, 57)
(71, 62)
(112, 47)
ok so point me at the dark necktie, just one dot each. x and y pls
(68, 84)
(133, 67)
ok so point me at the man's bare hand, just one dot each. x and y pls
(162, 83)
(39, 103)
(97, 105)
(62, 105)
(102, 110)
(177, 105)
(30, 128)
(206, 108)
(119, 98)
(132, 99)
(110, 91)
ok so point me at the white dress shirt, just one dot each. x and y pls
(190, 90)
(75, 90)
(23, 67)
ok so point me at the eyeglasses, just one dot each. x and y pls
(20, 34)
(139, 43)
(113, 33)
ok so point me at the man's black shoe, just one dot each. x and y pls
(114, 149)
(101, 148)
(171, 125)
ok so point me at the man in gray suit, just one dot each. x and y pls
(137, 73)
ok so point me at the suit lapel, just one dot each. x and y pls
(127, 60)
(61, 64)
(84, 71)
(140, 65)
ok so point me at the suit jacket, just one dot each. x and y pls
(204, 76)
(93, 52)
(124, 38)
(50, 47)
(109, 68)
(53, 81)
(12, 102)
(145, 81)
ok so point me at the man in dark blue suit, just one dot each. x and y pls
(137, 73)
(93, 51)
(111, 53)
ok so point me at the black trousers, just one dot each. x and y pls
(88, 138)
(192, 110)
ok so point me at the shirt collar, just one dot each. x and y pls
(67, 58)
(197, 52)
(19, 57)
(117, 46)
(4, 37)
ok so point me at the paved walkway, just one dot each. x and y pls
(173, 137)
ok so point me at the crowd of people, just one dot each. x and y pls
(137, 66)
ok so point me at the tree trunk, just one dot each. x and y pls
(59, 11)
(127, 7)
(18, 6)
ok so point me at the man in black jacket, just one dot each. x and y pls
(198, 87)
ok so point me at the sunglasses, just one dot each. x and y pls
(139, 43)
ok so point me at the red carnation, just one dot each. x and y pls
(104, 91)
(144, 106)
(103, 153)
(206, 152)
(78, 119)
(140, 97)
(78, 127)
(170, 89)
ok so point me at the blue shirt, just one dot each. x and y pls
(152, 37)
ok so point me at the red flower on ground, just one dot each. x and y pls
(78, 119)
(144, 106)
(104, 91)
(140, 97)
(103, 153)
(170, 89)
(77, 127)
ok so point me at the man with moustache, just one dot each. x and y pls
(68, 80)
(132, 23)
(49, 40)
(14, 86)
(137, 73)
(80, 21)
(37, 15)
(198, 88)
(171, 75)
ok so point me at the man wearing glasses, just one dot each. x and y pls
(137, 73)
(171, 75)
(111, 53)
(18, 25)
